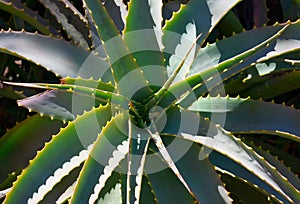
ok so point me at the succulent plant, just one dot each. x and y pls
(142, 113)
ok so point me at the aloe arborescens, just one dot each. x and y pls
(143, 110)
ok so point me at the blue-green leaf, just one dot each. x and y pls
(56, 55)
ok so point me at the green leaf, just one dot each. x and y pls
(229, 25)
(16, 8)
(126, 72)
(144, 21)
(250, 77)
(276, 84)
(114, 196)
(222, 67)
(56, 55)
(21, 143)
(280, 167)
(55, 157)
(109, 149)
(244, 191)
(184, 53)
(205, 15)
(242, 160)
(233, 148)
(147, 194)
(215, 63)
(71, 20)
(60, 188)
(92, 95)
(66, 101)
(213, 76)
(188, 158)
(289, 160)
(91, 83)
(226, 164)
(55, 104)
(138, 146)
(246, 115)
(195, 170)
(165, 185)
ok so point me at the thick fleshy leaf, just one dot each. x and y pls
(228, 25)
(138, 146)
(204, 14)
(55, 104)
(60, 188)
(283, 170)
(91, 83)
(97, 44)
(292, 162)
(18, 9)
(147, 194)
(66, 101)
(114, 196)
(274, 86)
(127, 74)
(243, 161)
(245, 115)
(21, 143)
(283, 41)
(144, 22)
(270, 69)
(110, 148)
(56, 55)
(233, 148)
(165, 185)
(226, 164)
(56, 160)
(214, 76)
(71, 20)
(195, 170)
(244, 191)
(183, 53)
(164, 153)
(211, 66)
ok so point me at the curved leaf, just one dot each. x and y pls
(56, 55)
(21, 143)
(282, 40)
(244, 115)
(274, 86)
(205, 14)
(55, 157)
(126, 72)
(249, 159)
(96, 84)
(283, 170)
(18, 9)
(244, 191)
(71, 20)
(109, 149)
(144, 22)
(195, 171)
(165, 186)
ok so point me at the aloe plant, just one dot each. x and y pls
(142, 113)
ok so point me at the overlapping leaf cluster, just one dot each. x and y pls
(142, 113)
